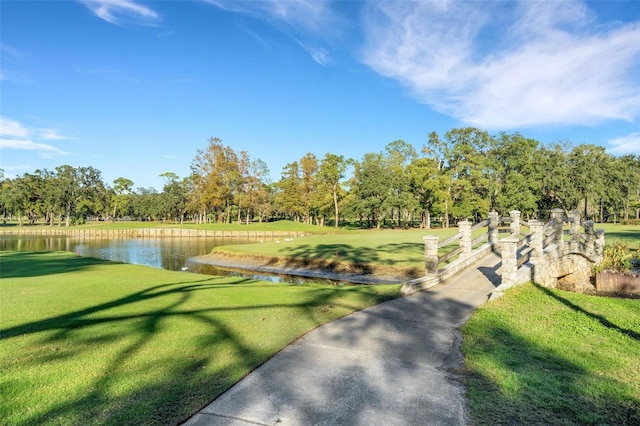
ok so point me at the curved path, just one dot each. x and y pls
(391, 364)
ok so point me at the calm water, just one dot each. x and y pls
(167, 253)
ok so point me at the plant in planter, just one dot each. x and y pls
(618, 271)
(619, 257)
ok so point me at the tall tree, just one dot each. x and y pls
(518, 175)
(556, 188)
(622, 187)
(252, 193)
(427, 186)
(331, 171)
(122, 190)
(371, 187)
(289, 197)
(400, 201)
(147, 204)
(308, 170)
(174, 197)
(216, 176)
(587, 171)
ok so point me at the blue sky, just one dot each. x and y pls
(135, 88)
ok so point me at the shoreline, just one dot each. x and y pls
(295, 267)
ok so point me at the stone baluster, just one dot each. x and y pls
(494, 223)
(515, 222)
(465, 238)
(431, 255)
(588, 235)
(509, 260)
(537, 239)
(575, 231)
(558, 215)
(599, 245)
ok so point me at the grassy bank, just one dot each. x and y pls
(389, 252)
(543, 356)
(399, 252)
(85, 341)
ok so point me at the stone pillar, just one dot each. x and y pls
(431, 255)
(494, 223)
(599, 244)
(575, 231)
(558, 215)
(588, 236)
(515, 222)
(509, 260)
(537, 239)
(465, 238)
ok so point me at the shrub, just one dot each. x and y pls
(619, 257)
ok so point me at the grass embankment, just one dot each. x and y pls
(86, 341)
(544, 356)
(385, 253)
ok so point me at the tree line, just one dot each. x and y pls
(462, 174)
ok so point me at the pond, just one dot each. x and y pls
(167, 253)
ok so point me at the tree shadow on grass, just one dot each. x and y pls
(602, 320)
(346, 258)
(631, 236)
(122, 330)
(530, 383)
(539, 386)
(35, 264)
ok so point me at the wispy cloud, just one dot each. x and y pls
(309, 14)
(122, 12)
(12, 129)
(10, 54)
(508, 64)
(314, 17)
(8, 51)
(629, 144)
(28, 145)
(172, 157)
(53, 135)
(14, 135)
(318, 54)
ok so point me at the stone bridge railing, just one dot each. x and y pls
(439, 267)
(535, 256)
(520, 250)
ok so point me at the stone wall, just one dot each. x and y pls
(148, 233)
(570, 272)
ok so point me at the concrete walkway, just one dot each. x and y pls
(391, 364)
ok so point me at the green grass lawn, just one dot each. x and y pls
(614, 232)
(543, 356)
(389, 251)
(86, 341)
(396, 249)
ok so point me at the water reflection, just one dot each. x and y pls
(202, 268)
(167, 253)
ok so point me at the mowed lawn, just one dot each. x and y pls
(385, 251)
(546, 356)
(86, 341)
